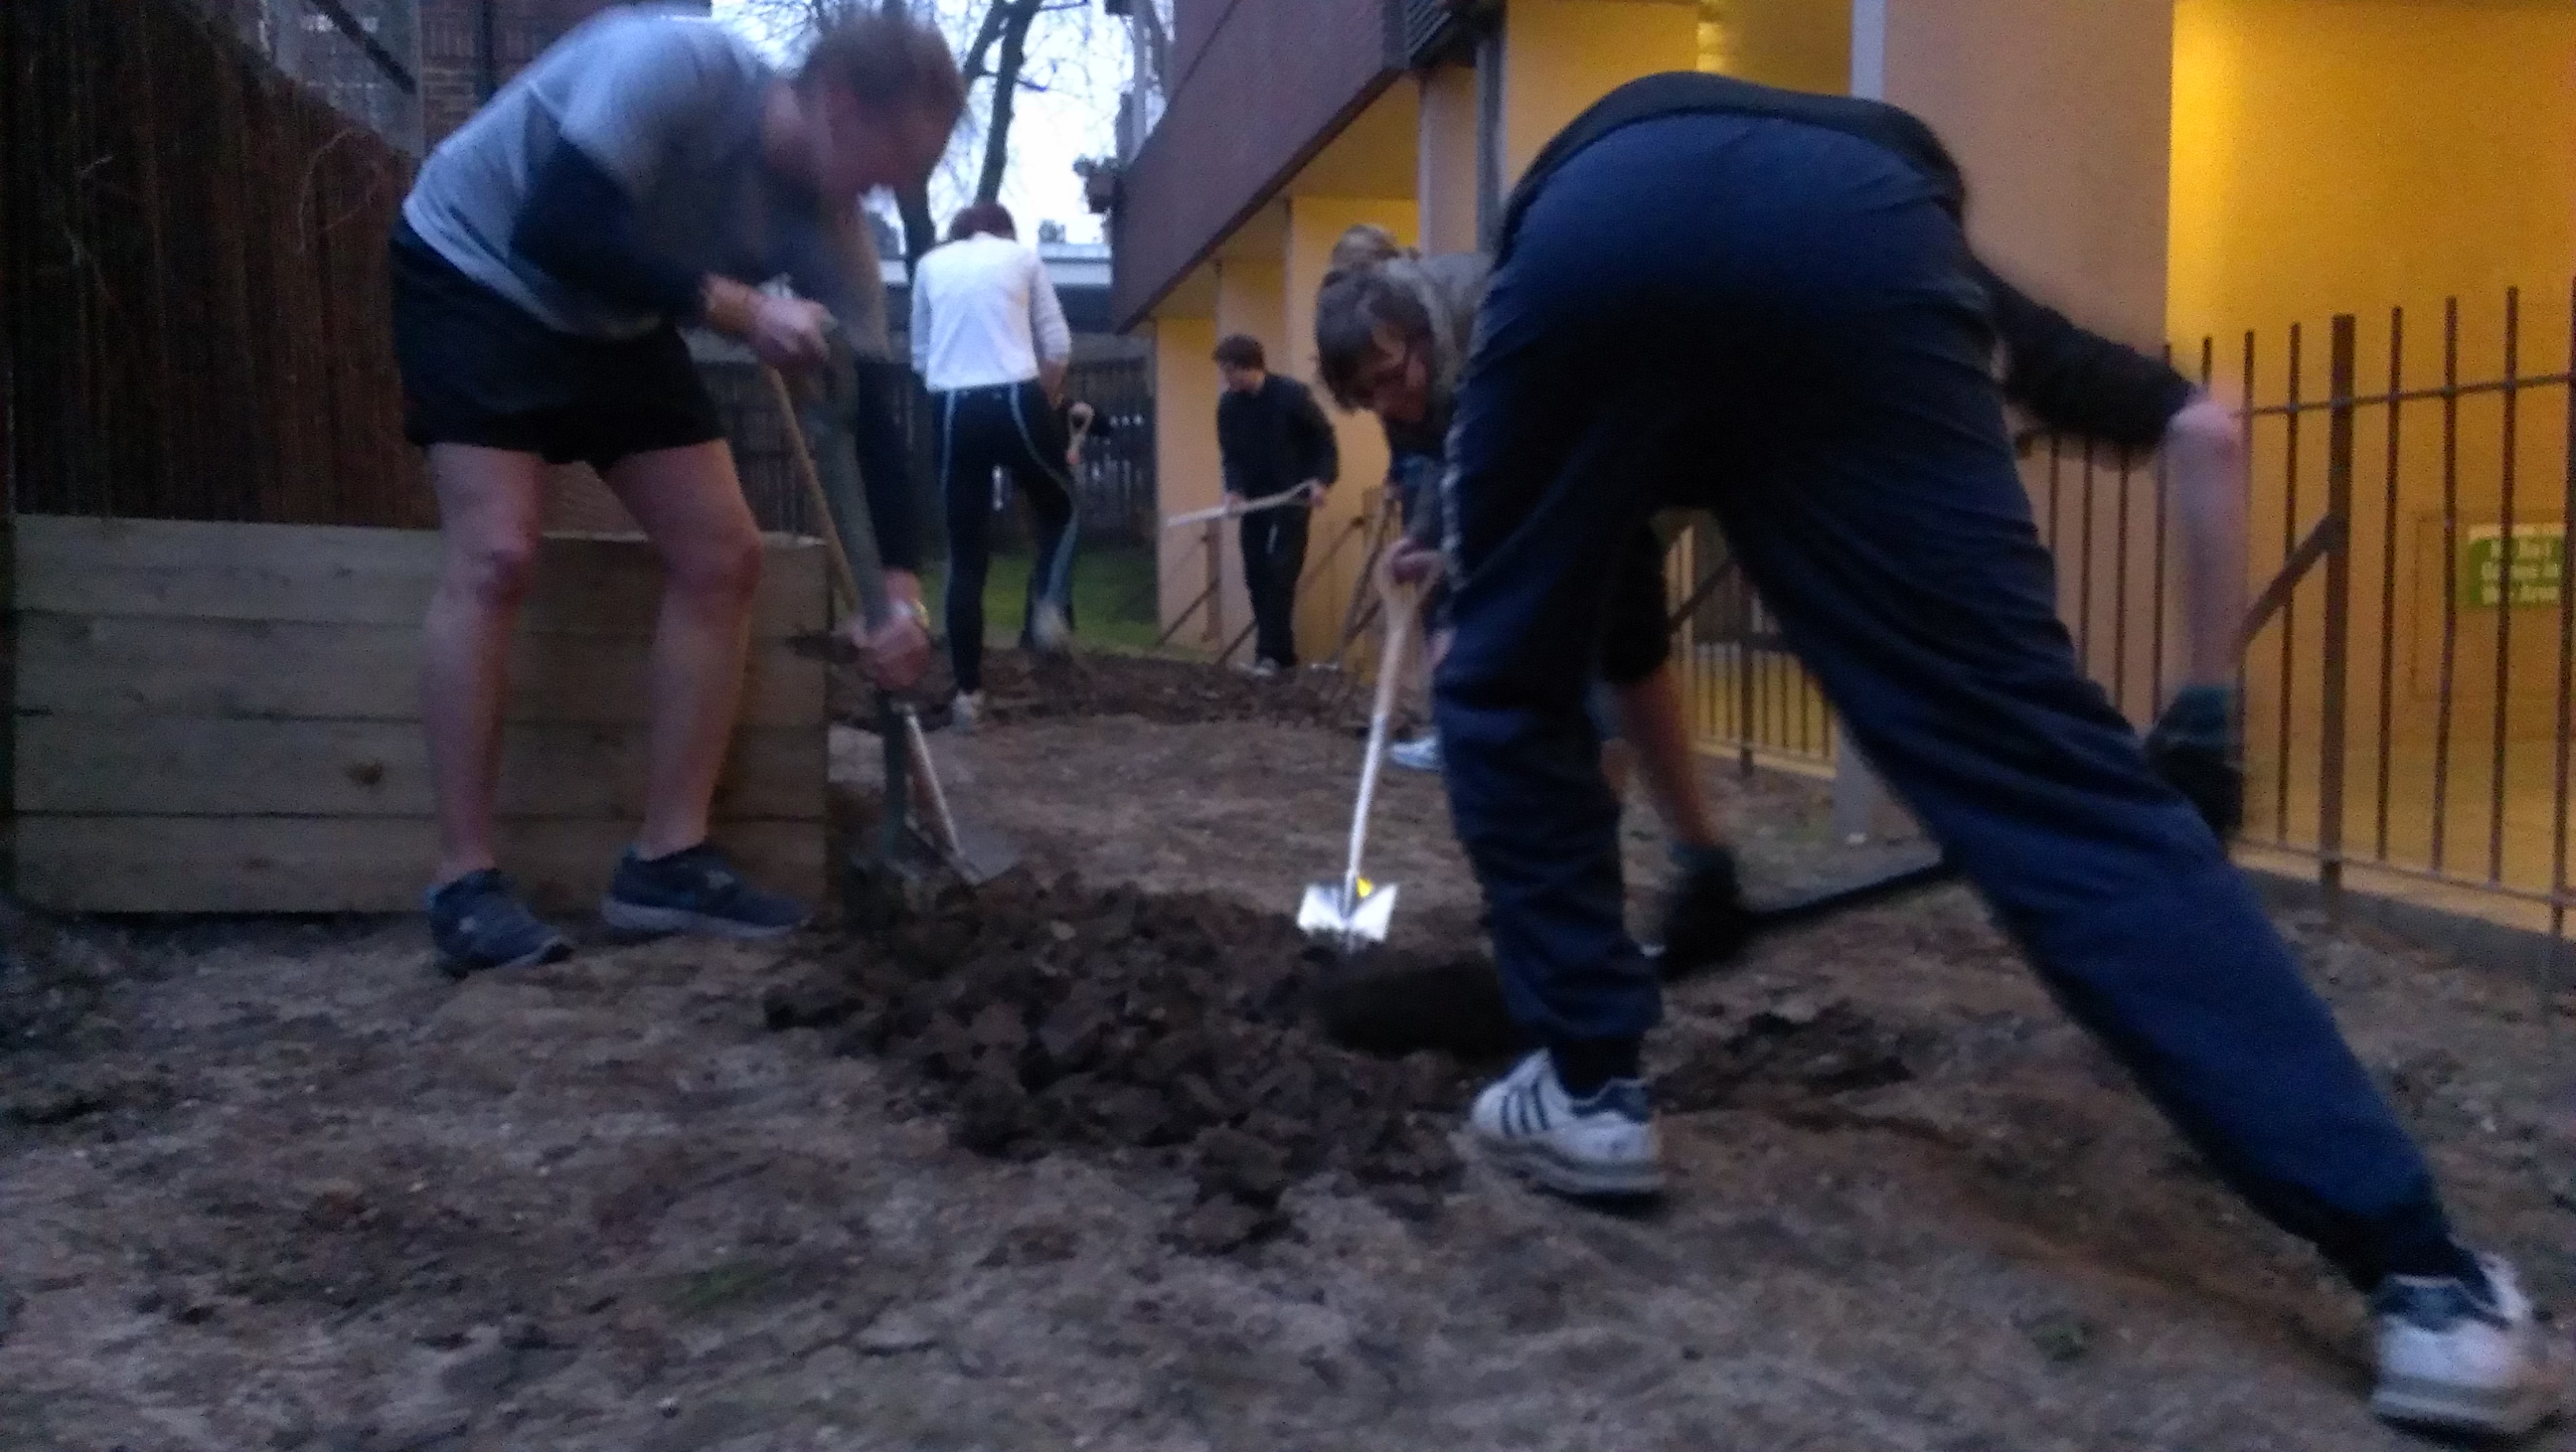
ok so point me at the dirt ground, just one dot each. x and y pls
(1065, 1166)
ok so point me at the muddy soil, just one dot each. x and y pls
(1064, 1166)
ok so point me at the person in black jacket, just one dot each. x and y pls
(1713, 294)
(1273, 440)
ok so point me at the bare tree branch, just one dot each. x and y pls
(912, 201)
(1017, 17)
(985, 35)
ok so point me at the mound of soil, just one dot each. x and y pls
(1045, 1015)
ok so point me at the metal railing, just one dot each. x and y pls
(2407, 678)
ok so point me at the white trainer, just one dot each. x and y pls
(1422, 753)
(1048, 630)
(1601, 1146)
(966, 711)
(2461, 1357)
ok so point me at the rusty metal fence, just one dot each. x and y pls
(193, 287)
(2412, 642)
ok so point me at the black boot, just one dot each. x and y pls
(2193, 747)
(1707, 922)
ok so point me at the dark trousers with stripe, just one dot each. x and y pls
(1777, 323)
(1274, 559)
(1012, 429)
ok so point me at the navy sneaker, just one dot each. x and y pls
(695, 890)
(478, 922)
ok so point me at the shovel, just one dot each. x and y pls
(1355, 913)
(923, 834)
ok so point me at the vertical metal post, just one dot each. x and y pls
(2504, 586)
(2566, 668)
(2293, 416)
(2450, 578)
(2338, 621)
(1744, 676)
(2388, 579)
(1212, 542)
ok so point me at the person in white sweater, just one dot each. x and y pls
(990, 341)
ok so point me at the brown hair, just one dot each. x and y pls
(887, 61)
(981, 218)
(1241, 350)
(1348, 313)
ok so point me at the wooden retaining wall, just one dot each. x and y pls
(216, 717)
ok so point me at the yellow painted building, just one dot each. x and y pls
(2183, 173)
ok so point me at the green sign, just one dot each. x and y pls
(2534, 574)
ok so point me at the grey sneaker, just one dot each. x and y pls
(966, 712)
(695, 890)
(478, 922)
(1048, 632)
(2458, 1355)
(1602, 1146)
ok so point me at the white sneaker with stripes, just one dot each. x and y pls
(1600, 1146)
(2465, 1355)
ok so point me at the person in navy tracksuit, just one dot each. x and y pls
(1712, 294)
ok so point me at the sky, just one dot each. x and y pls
(1077, 53)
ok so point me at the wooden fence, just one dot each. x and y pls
(193, 282)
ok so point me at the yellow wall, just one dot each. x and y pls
(1185, 459)
(1251, 298)
(1802, 44)
(2366, 153)
(2356, 157)
(2059, 114)
(1560, 56)
(1314, 223)
(1445, 160)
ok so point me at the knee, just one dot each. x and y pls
(494, 574)
(723, 569)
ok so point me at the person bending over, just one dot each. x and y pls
(645, 172)
(1391, 332)
(1792, 269)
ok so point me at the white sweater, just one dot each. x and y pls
(984, 315)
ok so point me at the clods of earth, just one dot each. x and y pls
(1069, 1163)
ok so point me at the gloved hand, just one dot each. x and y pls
(1707, 922)
(2193, 747)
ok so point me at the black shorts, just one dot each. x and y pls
(477, 369)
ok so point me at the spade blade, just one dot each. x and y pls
(1329, 914)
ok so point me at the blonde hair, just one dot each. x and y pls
(887, 61)
(1364, 247)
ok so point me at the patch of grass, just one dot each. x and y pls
(1113, 595)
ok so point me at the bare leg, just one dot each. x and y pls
(1658, 737)
(487, 517)
(691, 506)
(2205, 467)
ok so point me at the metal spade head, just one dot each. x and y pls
(982, 853)
(1350, 920)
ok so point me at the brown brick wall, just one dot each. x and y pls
(451, 54)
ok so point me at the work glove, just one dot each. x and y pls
(2193, 747)
(1706, 922)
